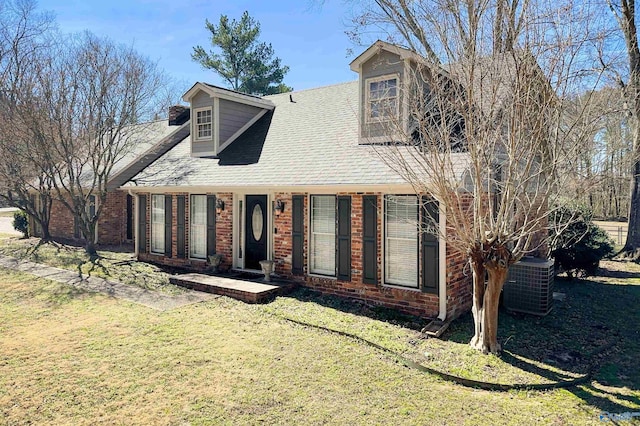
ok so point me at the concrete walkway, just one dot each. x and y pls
(150, 298)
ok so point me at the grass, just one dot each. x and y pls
(69, 357)
(113, 265)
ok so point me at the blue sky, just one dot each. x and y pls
(309, 36)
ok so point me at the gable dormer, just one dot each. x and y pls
(383, 71)
(219, 116)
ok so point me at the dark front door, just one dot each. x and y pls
(255, 245)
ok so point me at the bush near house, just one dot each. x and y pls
(579, 247)
(21, 223)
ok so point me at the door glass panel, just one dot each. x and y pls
(256, 222)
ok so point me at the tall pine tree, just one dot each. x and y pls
(245, 63)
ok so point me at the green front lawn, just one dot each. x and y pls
(111, 264)
(76, 358)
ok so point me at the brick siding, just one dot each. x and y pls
(112, 224)
(411, 301)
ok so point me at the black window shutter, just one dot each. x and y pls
(142, 223)
(211, 225)
(168, 204)
(430, 246)
(297, 234)
(180, 229)
(343, 253)
(370, 239)
(129, 217)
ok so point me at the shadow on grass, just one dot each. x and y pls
(612, 273)
(58, 295)
(596, 330)
(356, 307)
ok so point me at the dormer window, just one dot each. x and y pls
(382, 98)
(219, 116)
(204, 124)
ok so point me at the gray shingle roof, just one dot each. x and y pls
(311, 141)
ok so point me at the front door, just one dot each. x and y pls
(255, 245)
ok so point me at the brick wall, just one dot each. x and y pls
(224, 230)
(112, 224)
(224, 235)
(408, 300)
(61, 222)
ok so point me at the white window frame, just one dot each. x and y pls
(157, 226)
(387, 243)
(369, 100)
(197, 229)
(314, 234)
(197, 124)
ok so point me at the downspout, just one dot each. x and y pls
(442, 270)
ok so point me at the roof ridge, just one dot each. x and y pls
(313, 88)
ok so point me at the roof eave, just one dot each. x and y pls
(376, 47)
(217, 92)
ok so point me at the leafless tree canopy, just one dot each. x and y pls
(487, 131)
(76, 105)
(24, 36)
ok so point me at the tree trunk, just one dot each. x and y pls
(627, 22)
(486, 299)
(46, 235)
(90, 238)
(497, 277)
(632, 245)
(90, 248)
(478, 298)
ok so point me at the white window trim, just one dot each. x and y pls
(195, 124)
(412, 287)
(153, 223)
(191, 233)
(367, 106)
(317, 273)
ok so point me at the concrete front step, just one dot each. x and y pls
(247, 291)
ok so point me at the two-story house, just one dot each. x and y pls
(296, 178)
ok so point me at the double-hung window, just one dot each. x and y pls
(198, 228)
(323, 235)
(382, 98)
(401, 240)
(204, 120)
(157, 223)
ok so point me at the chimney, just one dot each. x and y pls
(178, 115)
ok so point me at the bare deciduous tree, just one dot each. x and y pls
(488, 133)
(625, 13)
(86, 96)
(599, 177)
(24, 38)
